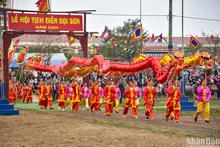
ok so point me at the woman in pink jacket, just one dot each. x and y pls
(117, 96)
(85, 97)
(101, 95)
(138, 94)
(69, 92)
(204, 96)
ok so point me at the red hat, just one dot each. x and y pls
(130, 82)
(208, 78)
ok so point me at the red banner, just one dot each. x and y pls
(17, 21)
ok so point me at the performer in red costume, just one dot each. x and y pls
(30, 94)
(130, 100)
(109, 97)
(48, 95)
(40, 93)
(12, 93)
(24, 92)
(95, 97)
(19, 92)
(61, 96)
(149, 97)
(76, 97)
(173, 102)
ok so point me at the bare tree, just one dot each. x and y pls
(213, 44)
(48, 43)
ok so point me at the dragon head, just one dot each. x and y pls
(205, 60)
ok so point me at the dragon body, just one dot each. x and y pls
(164, 68)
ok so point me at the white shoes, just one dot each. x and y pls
(124, 116)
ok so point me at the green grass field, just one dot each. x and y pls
(159, 107)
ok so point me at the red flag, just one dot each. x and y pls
(70, 39)
(152, 38)
(16, 42)
(43, 5)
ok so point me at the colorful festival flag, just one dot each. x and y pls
(16, 42)
(161, 36)
(106, 35)
(152, 38)
(70, 39)
(11, 54)
(22, 56)
(43, 6)
(137, 33)
(194, 43)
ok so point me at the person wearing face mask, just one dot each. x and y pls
(204, 96)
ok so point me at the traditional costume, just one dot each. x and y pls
(40, 88)
(95, 99)
(12, 94)
(29, 95)
(61, 96)
(149, 98)
(138, 95)
(204, 96)
(24, 93)
(76, 97)
(19, 92)
(85, 97)
(109, 96)
(69, 96)
(117, 97)
(101, 95)
(130, 100)
(173, 102)
(48, 96)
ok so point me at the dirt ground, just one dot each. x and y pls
(85, 129)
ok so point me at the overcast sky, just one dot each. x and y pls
(156, 25)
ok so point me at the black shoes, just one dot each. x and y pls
(195, 119)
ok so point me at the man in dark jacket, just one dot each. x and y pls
(121, 87)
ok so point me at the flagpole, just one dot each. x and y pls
(183, 87)
(170, 46)
(141, 40)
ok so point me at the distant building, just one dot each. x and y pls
(156, 48)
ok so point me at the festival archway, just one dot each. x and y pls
(20, 22)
